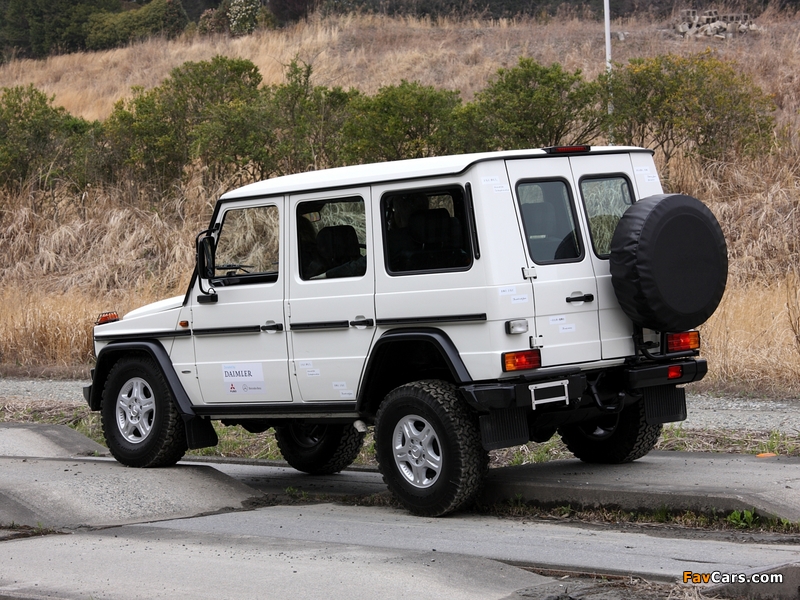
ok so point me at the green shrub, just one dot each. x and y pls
(40, 143)
(159, 17)
(530, 106)
(409, 120)
(152, 135)
(309, 121)
(698, 104)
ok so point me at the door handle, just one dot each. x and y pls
(272, 327)
(584, 298)
(362, 323)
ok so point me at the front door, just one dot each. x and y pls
(559, 265)
(240, 341)
(331, 305)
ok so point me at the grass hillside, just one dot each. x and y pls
(68, 256)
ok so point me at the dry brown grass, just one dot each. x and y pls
(68, 257)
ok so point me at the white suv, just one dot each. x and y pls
(460, 304)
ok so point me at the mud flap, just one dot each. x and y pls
(504, 428)
(664, 404)
(200, 433)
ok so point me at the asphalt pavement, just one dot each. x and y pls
(169, 532)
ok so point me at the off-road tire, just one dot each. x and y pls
(163, 442)
(319, 449)
(462, 460)
(669, 262)
(612, 439)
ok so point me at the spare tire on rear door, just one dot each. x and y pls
(669, 262)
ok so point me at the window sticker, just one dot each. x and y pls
(244, 378)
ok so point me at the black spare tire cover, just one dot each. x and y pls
(669, 262)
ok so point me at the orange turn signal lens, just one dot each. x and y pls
(519, 361)
(680, 342)
(107, 317)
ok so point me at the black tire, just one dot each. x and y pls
(669, 262)
(141, 423)
(612, 439)
(319, 449)
(444, 465)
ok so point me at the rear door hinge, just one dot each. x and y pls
(529, 272)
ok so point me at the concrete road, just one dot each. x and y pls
(336, 550)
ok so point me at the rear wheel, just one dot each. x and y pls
(319, 449)
(429, 449)
(612, 439)
(141, 424)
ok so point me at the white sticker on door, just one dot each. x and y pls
(244, 378)
(489, 180)
(558, 319)
(312, 373)
(305, 364)
(501, 188)
(521, 299)
(340, 385)
(569, 328)
(508, 291)
(347, 394)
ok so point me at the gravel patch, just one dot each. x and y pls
(705, 411)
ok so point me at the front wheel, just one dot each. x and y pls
(612, 439)
(141, 424)
(429, 449)
(319, 449)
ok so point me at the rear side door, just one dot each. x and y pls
(331, 304)
(559, 265)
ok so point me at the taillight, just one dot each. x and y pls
(519, 361)
(680, 342)
(107, 317)
(674, 371)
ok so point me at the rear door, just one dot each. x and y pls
(607, 187)
(563, 279)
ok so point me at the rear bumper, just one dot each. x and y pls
(486, 397)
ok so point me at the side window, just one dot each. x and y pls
(332, 238)
(248, 246)
(549, 221)
(426, 230)
(606, 199)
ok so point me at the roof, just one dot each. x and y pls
(416, 168)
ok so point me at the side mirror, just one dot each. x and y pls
(205, 257)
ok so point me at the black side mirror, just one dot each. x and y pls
(205, 257)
